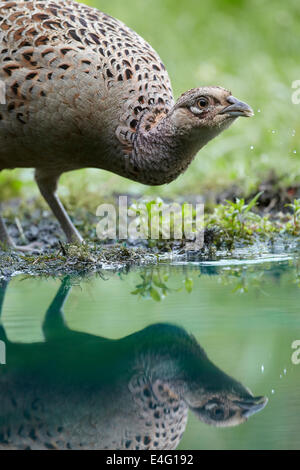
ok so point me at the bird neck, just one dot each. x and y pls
(167, 354)
(162, 151)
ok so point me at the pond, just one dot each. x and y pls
(71, 381)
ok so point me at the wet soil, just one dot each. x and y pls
(34, 223)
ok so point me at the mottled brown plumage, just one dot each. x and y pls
(84, 90)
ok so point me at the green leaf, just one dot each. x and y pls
(189, 284)
(158, 282)
(253, 201)
(155, 294)
(135, 292)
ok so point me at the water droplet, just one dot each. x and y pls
(284, 371)
(258, 110)
(273, 131)
(252, 147)
(272, 391)
(262, 369)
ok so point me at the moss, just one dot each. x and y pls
(228, 226)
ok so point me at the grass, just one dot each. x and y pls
(228, 228)
(236, 222)
(251, 48)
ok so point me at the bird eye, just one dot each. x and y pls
(202, 102)
(215, 410)
(218, 413)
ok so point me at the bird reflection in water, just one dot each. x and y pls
(80, 391)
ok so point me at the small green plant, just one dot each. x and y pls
(236, 218)
(294, 226)
(189, 284)
(158, 221)
(153, 286)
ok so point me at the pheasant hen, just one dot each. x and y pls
(84, 90)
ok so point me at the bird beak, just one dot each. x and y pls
(250, 406)
(237, 108)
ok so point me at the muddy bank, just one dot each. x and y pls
(268, 221)
(53, 256)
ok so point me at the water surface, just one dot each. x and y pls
(245, 315)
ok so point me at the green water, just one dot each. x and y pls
(245, 315)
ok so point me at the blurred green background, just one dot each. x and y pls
(250, 47)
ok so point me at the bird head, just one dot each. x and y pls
(207, 111)
(167, 141)
(181, 368)
(227, 409)
(215, 397)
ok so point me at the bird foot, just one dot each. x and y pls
(35, 247)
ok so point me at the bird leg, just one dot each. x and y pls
(3, 287)
(48, 186)
(54, 319)
(4, 235)
(7, 241)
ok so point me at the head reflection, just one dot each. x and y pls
(77, 390)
